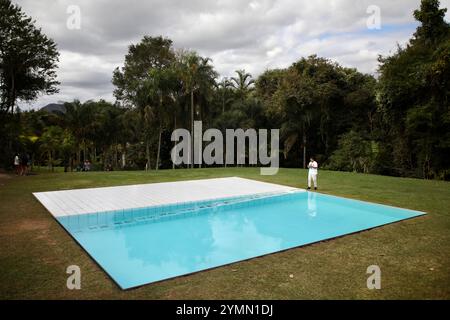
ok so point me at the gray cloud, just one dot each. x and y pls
(254, 35)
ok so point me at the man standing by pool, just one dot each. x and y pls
(312, 173)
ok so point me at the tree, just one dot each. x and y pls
(433, 26)
(197, 76)
(297, 99)
(224, 86)
(162, 84)
(242, 83)
(128, 133)
(354, 153)
(150, 53)
(138, 83)
(413, 92)
(51, 141)
(28, 58)
(104, 130)
(79, 119)
(67, 148)
(314, 101)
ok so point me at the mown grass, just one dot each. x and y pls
(413, 255)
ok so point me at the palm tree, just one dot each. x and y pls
(68, 146)
(78, 118)
(296, 127)
(197, 76)
(161, 91)
(51, 140)
(147, 116)
(242, 83)
(106, 130)
(297, 105)
(128, 132)
(223, 86)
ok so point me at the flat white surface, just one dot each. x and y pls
(81, 201)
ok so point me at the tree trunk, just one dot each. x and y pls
(225, 154)
(223, 101)
(78, 155)
(84, 150)
(304, 150)
(50, 161)
(174, 143)
(105, 153)
(159, 150)
(115, 156)
(32, 162)
(13, 93)
(147, 155)
(191, 156)
(124, 155)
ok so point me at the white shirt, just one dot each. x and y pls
(16, 161)
(312, 167)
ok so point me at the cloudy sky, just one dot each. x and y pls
(237, 34)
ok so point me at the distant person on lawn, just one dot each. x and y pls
(23, 164)
(312, 173)
(17, 164)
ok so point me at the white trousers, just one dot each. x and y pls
(313, 177)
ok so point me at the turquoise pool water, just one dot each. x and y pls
(140, 246)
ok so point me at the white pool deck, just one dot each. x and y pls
(82, 201)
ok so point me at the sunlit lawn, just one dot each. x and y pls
(413, 254)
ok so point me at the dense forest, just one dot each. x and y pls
(397, 123)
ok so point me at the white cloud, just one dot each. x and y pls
(236, 34)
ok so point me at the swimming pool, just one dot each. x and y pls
(143, 245)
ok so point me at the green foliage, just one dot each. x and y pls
(51, 141)
(130, 80)
(28, 58)
(313, 102)
(433, 27)
(398, 124)
(243, 83)
(413, 93)
(354, 153)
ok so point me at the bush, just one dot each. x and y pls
(354, 153)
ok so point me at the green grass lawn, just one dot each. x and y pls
(414, 255)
